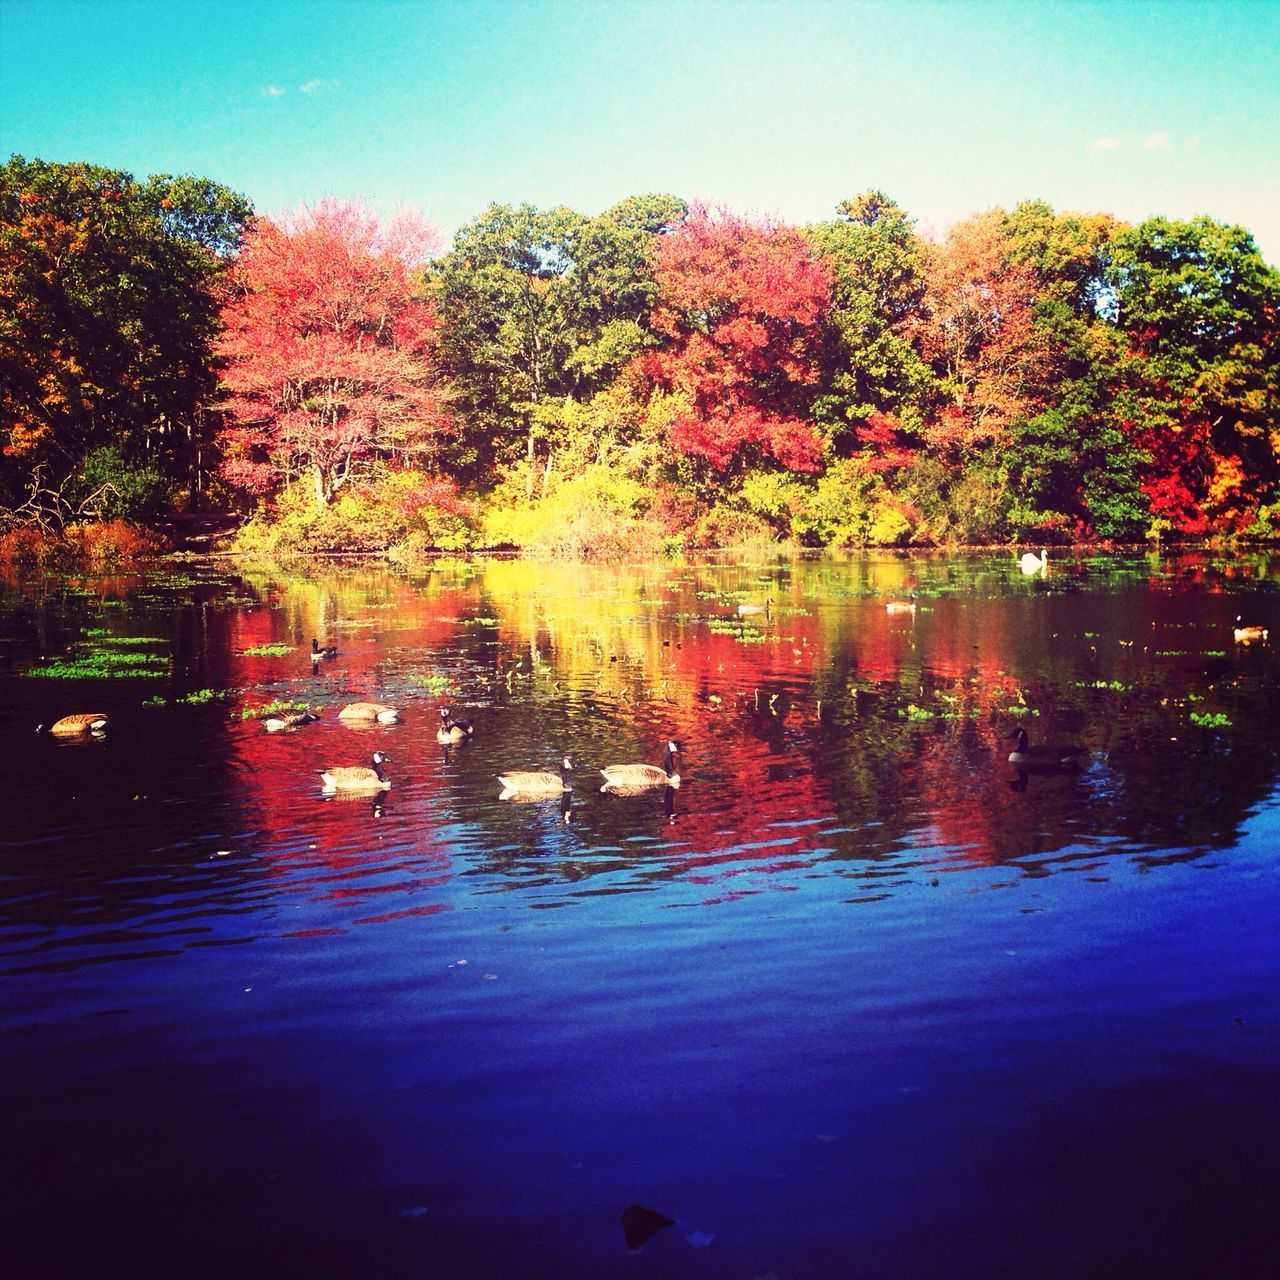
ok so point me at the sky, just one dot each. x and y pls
(1131, 107)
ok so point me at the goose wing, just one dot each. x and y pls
(529, 781)
(634, 775)
(368, 711)
(81, 722)
(352, 778)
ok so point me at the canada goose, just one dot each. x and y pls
(368, 712)
(748, 610)
(530, 784)
(1042, 756)
(644, 775)
(357, 777)
(81, 722)
(902, 606)
(452, 730)
(1032, 563)
(1244, 635)
(289, 720)
(319, 650)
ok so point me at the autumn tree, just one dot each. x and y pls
(110, 291)
(976, 329)
(738, 311)
(328, 348)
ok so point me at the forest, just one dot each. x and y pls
(666, 376)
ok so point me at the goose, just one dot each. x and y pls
(368, 712)
(357, 777)
(1247, 635)
(319, 650)
(74, 725)
(902, 606)
(749, 610)
(643, 775)
(289, 720)
(531, 784)
(1042, 756)
(452, 730)
(1032, 563)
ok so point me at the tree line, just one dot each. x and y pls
(662, 375)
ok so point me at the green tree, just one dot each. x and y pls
(1074, 469)
(869, 365)
(536, 306)
(1199, 307)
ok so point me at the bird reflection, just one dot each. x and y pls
(669, 803)
(1023, 773)
(566, 807)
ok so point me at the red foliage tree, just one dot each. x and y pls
(738, 309)
(328, 348)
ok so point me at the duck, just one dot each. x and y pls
(533, 784)
(902, 606)
(452, 730)
(617, 776)
(1247, 635)
(749, 610)
(1032, 563)
(319, 650)
(357, 777)
(1052, 756)
(368, 712)
(289, 720)
(73, 725)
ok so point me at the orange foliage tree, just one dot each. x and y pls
(975, 328)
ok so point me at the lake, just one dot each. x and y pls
(858, 999)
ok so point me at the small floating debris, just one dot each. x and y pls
(640, 1224)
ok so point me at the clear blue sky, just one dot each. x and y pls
(1135, 107)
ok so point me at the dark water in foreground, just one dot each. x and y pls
(857, 1001)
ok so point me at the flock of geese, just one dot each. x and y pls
(527, 784)
(522, 784)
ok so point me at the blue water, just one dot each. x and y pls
(857, 1003)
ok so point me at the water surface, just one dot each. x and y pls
(858, 999)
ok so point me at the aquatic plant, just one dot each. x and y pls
(267, 651)
(102, 663)
(274, 707)
(1211, 719)
(913, 712)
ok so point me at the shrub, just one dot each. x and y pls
(852, 506)
(92, 544)
(729, 526)
(112, 542)
(602, 514)
(27, 547)
(777, 497)
(384, 511)
(114, 487)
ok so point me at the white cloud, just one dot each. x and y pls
(273, 91)
(1157, 142)
(318, 85)
(1106, 144)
